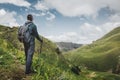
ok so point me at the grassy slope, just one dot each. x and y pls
(101, 55)
(12, 51)
(49, 67)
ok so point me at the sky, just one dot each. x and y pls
(77, 21)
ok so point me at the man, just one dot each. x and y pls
(30, 47)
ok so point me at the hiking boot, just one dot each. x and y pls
(31, 71)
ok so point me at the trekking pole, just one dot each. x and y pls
(38, 61)
(40, 50)
(41, 46)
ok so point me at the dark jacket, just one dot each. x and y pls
(33, 32)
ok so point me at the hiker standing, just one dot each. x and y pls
(30, 33)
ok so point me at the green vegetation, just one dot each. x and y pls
(101, 55)
(48, 65)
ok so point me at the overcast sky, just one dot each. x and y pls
(78, 21)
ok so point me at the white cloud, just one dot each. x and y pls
(66, 37)
(88, 33)
(2, 12)
(94, 32)
(8, 18)
(88, 8)
(38, 14)
(109, 26)
(41, 6)
(35, 14)
(70, 37)
(23, 3)
(73, 8)
(51, 16)
(115, 17)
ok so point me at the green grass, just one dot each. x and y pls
(101, 55)
(49, 65)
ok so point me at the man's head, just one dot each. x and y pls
(30, 17)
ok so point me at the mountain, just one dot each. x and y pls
(67, 46)
(101, 55)
(49, 64)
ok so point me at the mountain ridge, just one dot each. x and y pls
(67, 46)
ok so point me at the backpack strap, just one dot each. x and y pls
(27, 24)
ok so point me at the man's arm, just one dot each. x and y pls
(35, 32)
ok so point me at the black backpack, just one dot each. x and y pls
(24, 34)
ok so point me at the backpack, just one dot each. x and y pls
(24, 34)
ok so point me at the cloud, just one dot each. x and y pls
(2, 12)
(23, 3)
(50, 17)
(70, 37)
(73, 8)
(94, 32)
(90, 9)
(8, 18)
(66, 37)
(107, 27)
(115, 17)
(44, 11)
(91, 31)
(87, 34)
(41, 6)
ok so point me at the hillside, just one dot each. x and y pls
(101, 55)
(67, 46)
(10, 35)
(12, 54)
(49, 65)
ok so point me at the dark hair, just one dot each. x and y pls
(29, 17)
